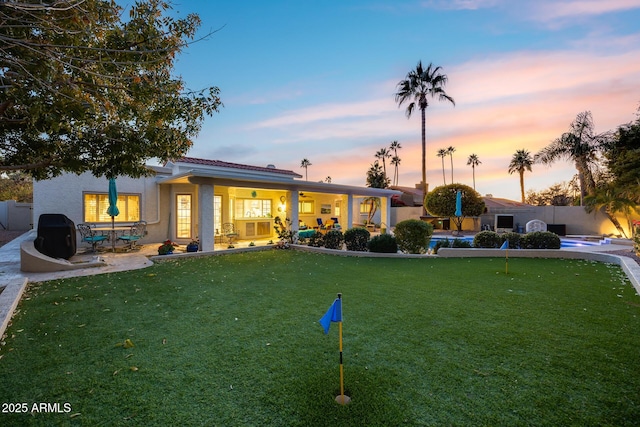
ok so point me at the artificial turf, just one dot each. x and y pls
(234, 340)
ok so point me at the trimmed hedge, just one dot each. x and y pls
(316, 239)
(333, 239)
(356, 239)
(540, 240)
(487, 239)
(383, 243)
(413, 236)
(513, 238)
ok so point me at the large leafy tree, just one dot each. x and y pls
(16, 186)
(376, 178)
(622, 154)
(418, 86)
(84, 88)
(579, 145)
(521, 162)
(441, 201)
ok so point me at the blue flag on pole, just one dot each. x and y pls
(334, 314)
(505, 245)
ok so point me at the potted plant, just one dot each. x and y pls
(193, 246)
(166, 247)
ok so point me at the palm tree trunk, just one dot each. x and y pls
(444, 179)
(615, 222)
(451, 157)
(424, 160)
(522, 185)
(473, 168)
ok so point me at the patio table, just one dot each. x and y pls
(113, 233)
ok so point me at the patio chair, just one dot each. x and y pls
(321, 225)
(89, 236)
(229, 231)
(135, 233)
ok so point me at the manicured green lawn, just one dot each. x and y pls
(234, 341)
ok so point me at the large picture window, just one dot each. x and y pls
(253, 208)
(96, 204)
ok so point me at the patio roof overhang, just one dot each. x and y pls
(234, 179)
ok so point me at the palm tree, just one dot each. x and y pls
(473, 161)
(415, 88)
(450, 152)
(611, 200)
(441, 153)
(579, 145)
(520, 162)
(305, 163)
(383, 154)
(395, 160)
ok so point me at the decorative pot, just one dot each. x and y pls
(192, 248)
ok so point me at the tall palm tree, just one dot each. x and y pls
(441, 153)
(473, 161)
(580, 145)
(450, 152)
(383, 154)
(418, 85)
(520, 162)
(305, 163)
(395, 160)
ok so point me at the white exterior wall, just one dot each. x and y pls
(64, 194)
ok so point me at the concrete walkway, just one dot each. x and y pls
(13, 281)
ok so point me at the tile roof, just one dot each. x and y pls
(221, 164)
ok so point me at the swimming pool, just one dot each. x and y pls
(564, 243)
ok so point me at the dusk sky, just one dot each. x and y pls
(316, 80)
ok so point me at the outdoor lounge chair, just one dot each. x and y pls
(321, 225)
(135, 233)
(229, 231)
(90, 236)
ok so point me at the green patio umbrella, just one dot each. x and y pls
(113, 210)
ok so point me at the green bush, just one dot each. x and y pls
(487, 239)
(383, 243)
(316, 239)
(333, 239)
(513, 238)
(413, 236)
(459, 243)
(356, 239)
(540, 240)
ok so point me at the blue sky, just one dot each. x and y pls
(316, 80)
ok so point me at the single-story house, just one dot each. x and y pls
(193, 198)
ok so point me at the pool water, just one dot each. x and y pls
(564, 243)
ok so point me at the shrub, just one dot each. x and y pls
(459, 243)
(356, 239)
(487, 239)
(383, 243)
(316, 239)
(413, 236)
(636, 237)
(333, 239)
(513, 238)
(441, 243)
(540, 240)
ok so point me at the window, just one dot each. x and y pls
(96, 204)
(365, 208)
(253, 208)
(306, 207)
(183, 216)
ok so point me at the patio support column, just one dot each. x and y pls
(205, 212)
(385, 212)
(349, 210)
(293, 210)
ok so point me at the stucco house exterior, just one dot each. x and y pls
(192, 198)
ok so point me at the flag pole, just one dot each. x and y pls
(506, 261)
(341, 399)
